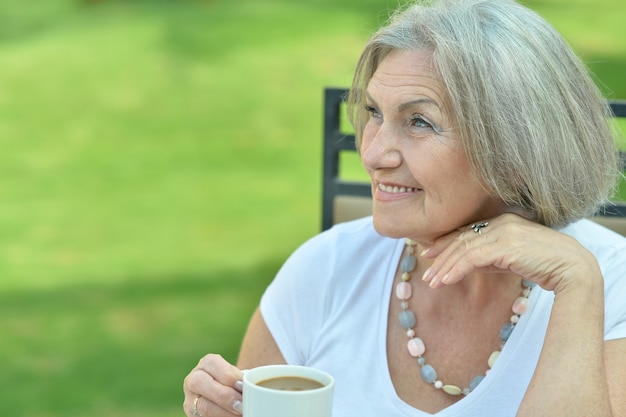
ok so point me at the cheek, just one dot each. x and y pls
(442, 168)
(462, 183)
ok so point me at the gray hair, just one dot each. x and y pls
(532, 121)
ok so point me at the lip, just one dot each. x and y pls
(393, 191)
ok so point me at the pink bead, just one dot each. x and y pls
(404, 290)
(416, 347)
(520, 305)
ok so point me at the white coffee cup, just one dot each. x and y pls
(261, 401)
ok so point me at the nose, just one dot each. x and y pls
(379, 147)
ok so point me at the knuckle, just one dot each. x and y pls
(187, 405)
(213, 356)
(187, 382)
(465, 241)
(210, 358)
(475, 252)
(514, 230)
(195, 381)
(222, 396)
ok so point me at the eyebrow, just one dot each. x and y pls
(402, 107)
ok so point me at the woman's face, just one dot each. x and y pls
(422, 183)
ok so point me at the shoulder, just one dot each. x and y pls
(596, 238)
(607, 246)
(343, 250)
(361, 228)
(346, 239)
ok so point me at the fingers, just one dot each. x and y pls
(510, 244)
(214, 385)
(454, 261)
(207, 408)
(465, 259)
(475, 248)
(218, 368)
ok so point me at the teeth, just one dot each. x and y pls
(395, 189)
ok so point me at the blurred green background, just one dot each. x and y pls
(158, 162)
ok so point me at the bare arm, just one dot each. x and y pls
(258, 347)
(615, 365)
(578, 374)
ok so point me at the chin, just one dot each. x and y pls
(387, 228)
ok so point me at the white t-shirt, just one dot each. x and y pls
(328, 308)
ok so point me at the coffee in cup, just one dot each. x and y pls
(290, 383)
(287, 391)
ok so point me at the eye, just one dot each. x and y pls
(373, 111)
(419, 121)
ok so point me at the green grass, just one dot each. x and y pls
(118, 350)
(159, 161)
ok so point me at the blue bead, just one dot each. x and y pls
(408, 263)
(421, 361)
(529, 284)
(506, 330)
(477, 380)
(407, 319)
(428, 374)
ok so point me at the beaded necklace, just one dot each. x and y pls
(415, 345)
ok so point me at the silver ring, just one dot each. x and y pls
(477, 226)
(195, 407)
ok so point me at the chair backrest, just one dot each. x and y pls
(344, 200)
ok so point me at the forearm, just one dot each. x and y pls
(259, 347)
(570, 378)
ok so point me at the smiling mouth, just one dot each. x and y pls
(394, 189)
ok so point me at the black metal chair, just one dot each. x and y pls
(344, 200)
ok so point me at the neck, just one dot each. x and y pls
(473, 304)
(475, 291)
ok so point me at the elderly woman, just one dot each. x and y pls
(487, 144)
